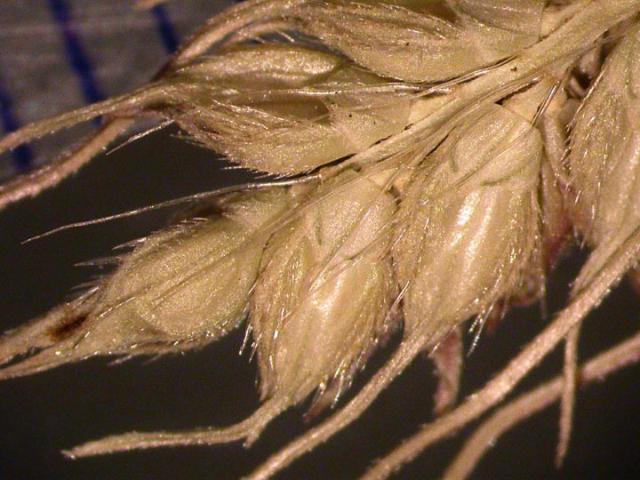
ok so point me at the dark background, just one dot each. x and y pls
(42, 414)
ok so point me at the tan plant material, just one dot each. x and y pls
(281, 109)
(604, 156)
(156, 301)
(213, 33)
(320, 305)
(323, 299)
(432, 177)
(480, 184)
(554, 126)
(424, 41)
(568, 399)
(448, 361)
(528, 404)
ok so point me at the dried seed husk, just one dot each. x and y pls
(179, 288)
(604, 157)
(322, 299)
(424, 41)
(468, 225)
(282, 109)
(195, 280)
(320, 303)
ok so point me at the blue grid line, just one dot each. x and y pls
(22, 155)
(165, 29)
(76, 55)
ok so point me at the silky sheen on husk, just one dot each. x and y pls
(468, 225)
(283, 109)
(424, 41)
(184, 286)
(322, 298)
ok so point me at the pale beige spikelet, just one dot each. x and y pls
(187, 285)
(424, 41)
(284, 109)
(323, 298)
(320, 306)
(202, 272)
(468, 225)
(281, 109)
(604, 157)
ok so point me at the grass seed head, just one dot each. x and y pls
(322, 299)
(186, 285)
(469, 219)
(322, 268)
(424, 41)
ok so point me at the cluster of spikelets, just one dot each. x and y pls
(440, 154)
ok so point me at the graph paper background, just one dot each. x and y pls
(56, 55)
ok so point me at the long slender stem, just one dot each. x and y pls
(248, 430)
(568, 398)
(521, 408)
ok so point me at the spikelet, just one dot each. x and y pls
(605, 155)
(320, 305)
(182, 287)
(323, 298)
(293, 109)
(281, 109)
(424, 41)
(468, 226)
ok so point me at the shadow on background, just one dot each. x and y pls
(39, 415)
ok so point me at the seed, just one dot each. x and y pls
(323, 298)
(424, 41)
(469, 219)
